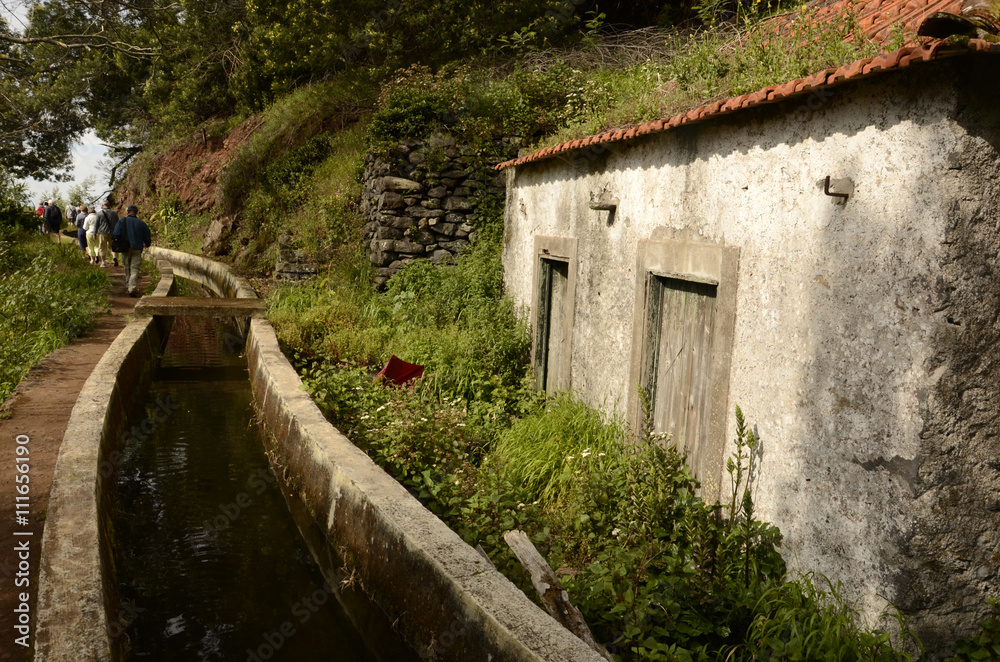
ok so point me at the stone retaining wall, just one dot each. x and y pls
(419, 201)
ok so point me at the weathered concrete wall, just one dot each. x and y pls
(418, 202)
(214, 275)
(864, 346)
(74, 601)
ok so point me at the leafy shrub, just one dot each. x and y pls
(48, 295)
(982, 646)
(797, 620)
(172, 227)
(14, 216)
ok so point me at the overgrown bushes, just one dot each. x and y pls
(298, 175)
(658, 573)
(173, 227)
(48, 295)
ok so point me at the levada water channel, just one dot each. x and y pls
(209, 561)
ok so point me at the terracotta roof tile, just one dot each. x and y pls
(984, 46)
(848, 71)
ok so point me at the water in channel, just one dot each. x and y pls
(209, 561)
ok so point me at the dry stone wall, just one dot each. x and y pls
(419, 201)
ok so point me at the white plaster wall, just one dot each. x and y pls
(836, 304)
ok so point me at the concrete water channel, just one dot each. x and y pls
(203, 508)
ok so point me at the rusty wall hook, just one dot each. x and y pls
(826, 190)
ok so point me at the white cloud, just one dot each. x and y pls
(88, 155)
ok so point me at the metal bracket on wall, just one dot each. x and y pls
(604, 202)
(840, 184)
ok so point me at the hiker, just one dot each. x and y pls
(40, 216)
(135, 236)
(53, 220)
(70, 213)
(81, 234)
(90, 231)
(106, 221)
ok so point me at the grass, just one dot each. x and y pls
(298, 175)
(684, 71)
(538, 451)
(290, 122)
(173, 227)
(49, 294)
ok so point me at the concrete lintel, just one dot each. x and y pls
(199, 307)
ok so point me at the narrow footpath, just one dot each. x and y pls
(39, 409)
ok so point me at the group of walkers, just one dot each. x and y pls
(102, 234)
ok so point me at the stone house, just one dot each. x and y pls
(822, 253)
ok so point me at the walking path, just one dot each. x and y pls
(40, 409)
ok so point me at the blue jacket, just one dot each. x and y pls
(134, 230)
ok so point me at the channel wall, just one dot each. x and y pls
(73, 599)
(444, 599)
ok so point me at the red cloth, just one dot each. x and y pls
(399, 372)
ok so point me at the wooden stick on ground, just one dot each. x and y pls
(550, 590)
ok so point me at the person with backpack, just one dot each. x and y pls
(130, 237)
(107, 219)
(81, 233)
(53, 220)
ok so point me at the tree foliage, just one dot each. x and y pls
(135, 70)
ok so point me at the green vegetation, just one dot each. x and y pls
(658, 573)
(173, 227)
(297, 175)
(982, 646)
(49, 294)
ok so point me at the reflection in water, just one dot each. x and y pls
(208, 558)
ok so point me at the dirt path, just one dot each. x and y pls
(40, 409)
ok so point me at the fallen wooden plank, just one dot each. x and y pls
(550, 590)
(199, 307)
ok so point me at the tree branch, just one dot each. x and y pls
(85, 42)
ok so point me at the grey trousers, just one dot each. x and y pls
(131, 259)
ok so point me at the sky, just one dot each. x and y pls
(87, 154)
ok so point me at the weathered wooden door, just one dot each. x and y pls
(679, 360)
(552, 335)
